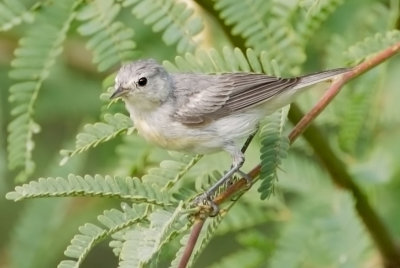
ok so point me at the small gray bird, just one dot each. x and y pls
(204, 113)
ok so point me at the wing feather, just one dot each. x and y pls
(201, 98)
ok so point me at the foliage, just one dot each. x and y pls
(13, 13)
(97, 133)
(34, 58)
(111, 42)
(98, 185)
(114, 220)
(330, 211)
(280, 26)
(274, 147)
(163, 227)
(144, 208)
(174, 18)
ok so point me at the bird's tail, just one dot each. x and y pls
(315, 78)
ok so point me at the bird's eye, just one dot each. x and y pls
(142, 81)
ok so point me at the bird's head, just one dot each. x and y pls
(142, 83)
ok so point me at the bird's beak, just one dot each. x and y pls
(119, 92)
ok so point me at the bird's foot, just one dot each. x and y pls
(246, 177)
(205, 202)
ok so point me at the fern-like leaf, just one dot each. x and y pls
(274, 147)
(315, 224)
(111, 42)
(353, 128)
(355, 105)
(310, 20)
(142, 244)
(113, 221)
(94, 134)
(107, 186)
(15, 12)
(372, 45)
(35, 56)
(177, 21)
(172, 171)
(230, 60)
(265, 26)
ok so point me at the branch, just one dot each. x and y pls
(335, 167)
(338, 84)
(333, 164)
(194, 235)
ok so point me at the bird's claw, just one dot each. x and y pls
(246, 177)
(206, 203)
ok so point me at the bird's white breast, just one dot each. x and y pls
(158, 127)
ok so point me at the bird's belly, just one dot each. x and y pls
(176, 137)
(212, 137)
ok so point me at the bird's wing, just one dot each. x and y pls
(198, 97)
(252, 89)
(207, 97)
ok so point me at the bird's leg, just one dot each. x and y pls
(238, 160)
(237, 164)
(205, 198)
(243, 150)
(248, 141)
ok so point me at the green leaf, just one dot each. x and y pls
(213, 61)
(311, 18)
(313, 227)
(35, 56)
(179, 23)
(143, 244)
(111, 42)
(372, 45)
(274, 147)
(112, 221)
(97, 133)
(119, 187)
(266, 26)
(15, 12)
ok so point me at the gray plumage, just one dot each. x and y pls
(209, 97)
(204, 113)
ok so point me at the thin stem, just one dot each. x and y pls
(338, 84)
(335, 167)
(194, 235)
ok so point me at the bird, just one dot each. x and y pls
(205, 113)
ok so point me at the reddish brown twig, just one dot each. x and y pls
(338, 84)
(194, 235)
(315, 111)
(372, 221)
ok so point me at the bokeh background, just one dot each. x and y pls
(309, 222)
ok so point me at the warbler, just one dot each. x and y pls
(205, 113)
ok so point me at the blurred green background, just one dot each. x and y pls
(307, 223)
